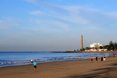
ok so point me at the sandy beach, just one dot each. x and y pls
(67, 69)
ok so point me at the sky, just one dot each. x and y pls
(56, 25)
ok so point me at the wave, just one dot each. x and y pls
(53, 58)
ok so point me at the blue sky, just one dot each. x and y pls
(47, 25)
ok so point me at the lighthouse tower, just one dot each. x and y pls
(81, 42)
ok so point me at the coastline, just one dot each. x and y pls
(12, 59)
(64, 69)
(83, 51)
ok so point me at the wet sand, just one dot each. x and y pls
(67, 69)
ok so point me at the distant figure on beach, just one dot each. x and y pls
(31, 61)
(34, 65)
(101, 58)
(104, 58)
(114, 55)
(96, 58)
(91, 59)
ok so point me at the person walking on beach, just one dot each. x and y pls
(91, 59)
(102, 59)
(34, 65)
(96, 58)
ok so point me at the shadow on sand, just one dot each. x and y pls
(108, 72)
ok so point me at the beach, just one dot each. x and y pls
(65, 69)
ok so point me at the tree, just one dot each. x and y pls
(101, 47)
(82, 49)
(87, 48)
(111, 46)
(115, 46)
(106, 47)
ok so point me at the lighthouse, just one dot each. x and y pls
(81, 42)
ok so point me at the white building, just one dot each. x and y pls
(95, 45)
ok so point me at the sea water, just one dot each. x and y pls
(24, 58)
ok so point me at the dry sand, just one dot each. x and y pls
(67, 69)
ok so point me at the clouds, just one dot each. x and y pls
(111, 14)
(71, 17)
(66, 14)
(36, 13)
(31, 1)
(69, 13)
(8, 23)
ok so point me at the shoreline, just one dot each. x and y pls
(61, 59)
(64, 69)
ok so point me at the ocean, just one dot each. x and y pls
(24, 58)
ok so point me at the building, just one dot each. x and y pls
(96, 45)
